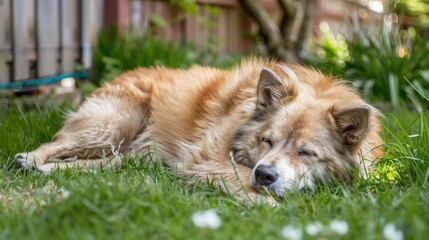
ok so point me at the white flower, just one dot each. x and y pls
(64, 193)
(391, 233)
(313, 228)
(207, 219)
(291, 233)
(339, 227)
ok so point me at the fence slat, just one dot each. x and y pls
(23, 37)
(221, 38)
(47, 37)
(202, 27)
(192, 30)
(5, 40)
(95, 17)
(178, 25)
(146, 11)
(168, 15)
(136, 16)
(85, 39)
(68, 30)
(234, 31)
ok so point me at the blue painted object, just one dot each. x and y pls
(44, 80)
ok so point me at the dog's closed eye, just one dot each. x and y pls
(306, 153)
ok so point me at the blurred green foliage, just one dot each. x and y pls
(115, 53)
(387, 64)
(416, 8)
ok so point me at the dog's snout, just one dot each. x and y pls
(266, 175)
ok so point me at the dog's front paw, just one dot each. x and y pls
(26, 160)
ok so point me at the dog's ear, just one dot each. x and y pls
(270, 89)
(353, 124)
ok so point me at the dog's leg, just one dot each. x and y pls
(85, 164)
(100, 128)
(46, 151)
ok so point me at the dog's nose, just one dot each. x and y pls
(266, 175)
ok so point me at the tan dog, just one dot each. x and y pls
(260, 124)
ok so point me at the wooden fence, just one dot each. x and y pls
(217, 22)
(233, 30)
(40, 38)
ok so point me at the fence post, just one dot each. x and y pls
(69, 32)
(48, 34)
(85, 34)
(23, 25)
(6, 41)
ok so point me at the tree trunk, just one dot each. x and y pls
(278, 38)
(289, 8)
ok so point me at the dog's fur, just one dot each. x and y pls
(260, 124)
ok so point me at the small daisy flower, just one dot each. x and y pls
(391, 233)
(291, 233)
(64, 193)
(313, 228)
(339, 227)
(207, 219)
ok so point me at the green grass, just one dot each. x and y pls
(143, 201)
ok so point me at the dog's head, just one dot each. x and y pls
(306, 129)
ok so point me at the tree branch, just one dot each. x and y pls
(310, 9)
(289, 9)
(268, 27)
(274, 40)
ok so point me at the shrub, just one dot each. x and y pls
(115, 53)
(381, 64)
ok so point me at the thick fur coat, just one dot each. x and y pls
(261, 124)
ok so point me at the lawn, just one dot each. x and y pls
(142, 201)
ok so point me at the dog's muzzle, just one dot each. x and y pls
(266, 175)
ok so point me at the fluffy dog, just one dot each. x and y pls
(261, 124)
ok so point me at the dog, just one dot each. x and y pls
(261, 125)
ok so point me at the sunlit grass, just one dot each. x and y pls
(149, 201)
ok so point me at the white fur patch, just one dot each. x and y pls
(100, 106)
